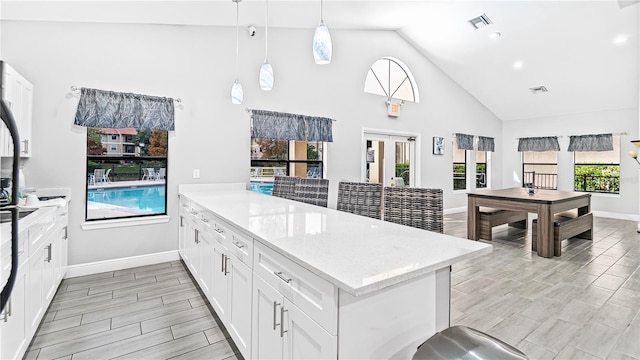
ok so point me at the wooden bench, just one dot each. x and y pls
(565, 226)
(493, 217)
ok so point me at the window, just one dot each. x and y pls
(282, 157)
(481, 169)
(598, 171)
(540, 169)
(120, 186)
(114, 148)
(114, 137)
(459, 167)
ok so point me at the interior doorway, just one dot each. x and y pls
(389, 157)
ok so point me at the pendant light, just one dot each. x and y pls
(322, 47)
(237, 94)
(266, 70)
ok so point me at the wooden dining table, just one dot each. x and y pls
(545, 203)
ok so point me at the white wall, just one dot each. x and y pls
(197, 65)
(624, 205)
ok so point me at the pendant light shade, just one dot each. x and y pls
(266, 76)
(266, 70)
(322, 47)
(237, 95)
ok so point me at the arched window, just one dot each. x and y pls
(392, 79)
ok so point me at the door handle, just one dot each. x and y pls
(282, 330)
(275, 306)
(279, 274)
(26, 146)
(221, 262)
(226, 265)
(66, 232)
(48, 259)
(181, 221)
(197, 237)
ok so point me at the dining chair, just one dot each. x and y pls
(312, 191)
(285, 186)
(360, 198)
(416, 207)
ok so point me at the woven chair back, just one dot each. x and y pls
(285, 186)
(416, 207)
(312, 191)
(360, 198)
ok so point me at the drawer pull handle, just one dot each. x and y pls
(282, 277)
(205, 220)
(219, 231)
(282, 330)
(275, 306)
(20, 252)
(238, 244)
(194, 212)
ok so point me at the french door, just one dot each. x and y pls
(389, 157)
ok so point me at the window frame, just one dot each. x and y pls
(616, 181)
(454, 147)
(523, 173)
(97, 223)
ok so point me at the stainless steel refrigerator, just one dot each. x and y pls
(9, 209)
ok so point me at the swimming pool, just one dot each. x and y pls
(261, 187)
(149, 198)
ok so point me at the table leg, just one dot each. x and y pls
(473, 212)
(545, 231)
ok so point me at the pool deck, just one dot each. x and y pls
(126, 184)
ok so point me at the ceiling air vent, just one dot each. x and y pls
(538, 89)
(480, 21)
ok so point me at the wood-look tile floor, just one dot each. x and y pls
(149, 312)
(582, 305)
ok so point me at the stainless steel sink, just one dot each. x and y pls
(5, 216)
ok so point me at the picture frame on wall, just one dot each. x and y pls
(438, 145)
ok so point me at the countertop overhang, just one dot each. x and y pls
(356, 253)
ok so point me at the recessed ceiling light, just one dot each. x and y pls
(480, 21)
(518, 65)
(620, 39)
(495, 35)
(538, 89)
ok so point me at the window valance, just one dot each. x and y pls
(109, 109)
(464, 141)
(546, 143)
(597, 142)
(285, 126)
(486, 143)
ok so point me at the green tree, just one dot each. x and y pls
(312, 153)
(158, 143)
(273, 149)
(94, 143)
(142, 137)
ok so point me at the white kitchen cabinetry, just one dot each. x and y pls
(18, 94)
(13, 322)
(42, 265)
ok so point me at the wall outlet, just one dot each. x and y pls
(196, 173)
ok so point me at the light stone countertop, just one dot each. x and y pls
(356, 253)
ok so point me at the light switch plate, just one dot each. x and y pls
(196, 173)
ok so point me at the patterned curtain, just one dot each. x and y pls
(108, 109)
(599, 142)
(464, 141)
(486, 144)
(545, 143)
(284, 126)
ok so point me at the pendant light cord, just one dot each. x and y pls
(321, 12)
(237, 36)
(266, 30)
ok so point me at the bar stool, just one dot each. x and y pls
(461, 342)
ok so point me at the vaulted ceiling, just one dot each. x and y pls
(585, 53)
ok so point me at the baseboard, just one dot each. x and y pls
(122, 263)
(454, 210)
(619, 216)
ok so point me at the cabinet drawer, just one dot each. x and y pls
(315, 296)
(236, 243)
(39, 231)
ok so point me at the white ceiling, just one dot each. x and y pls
(566, 46)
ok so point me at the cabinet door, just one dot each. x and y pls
(24, 124)
(192, 249)
(205, 271)
(61, 254)
(13, 332)
(49, 273)
(239, 312)
(304, 338)
(266, 342)
(35, 298)
(219, 287)
(183, 233)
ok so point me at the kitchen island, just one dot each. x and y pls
(293, 280)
